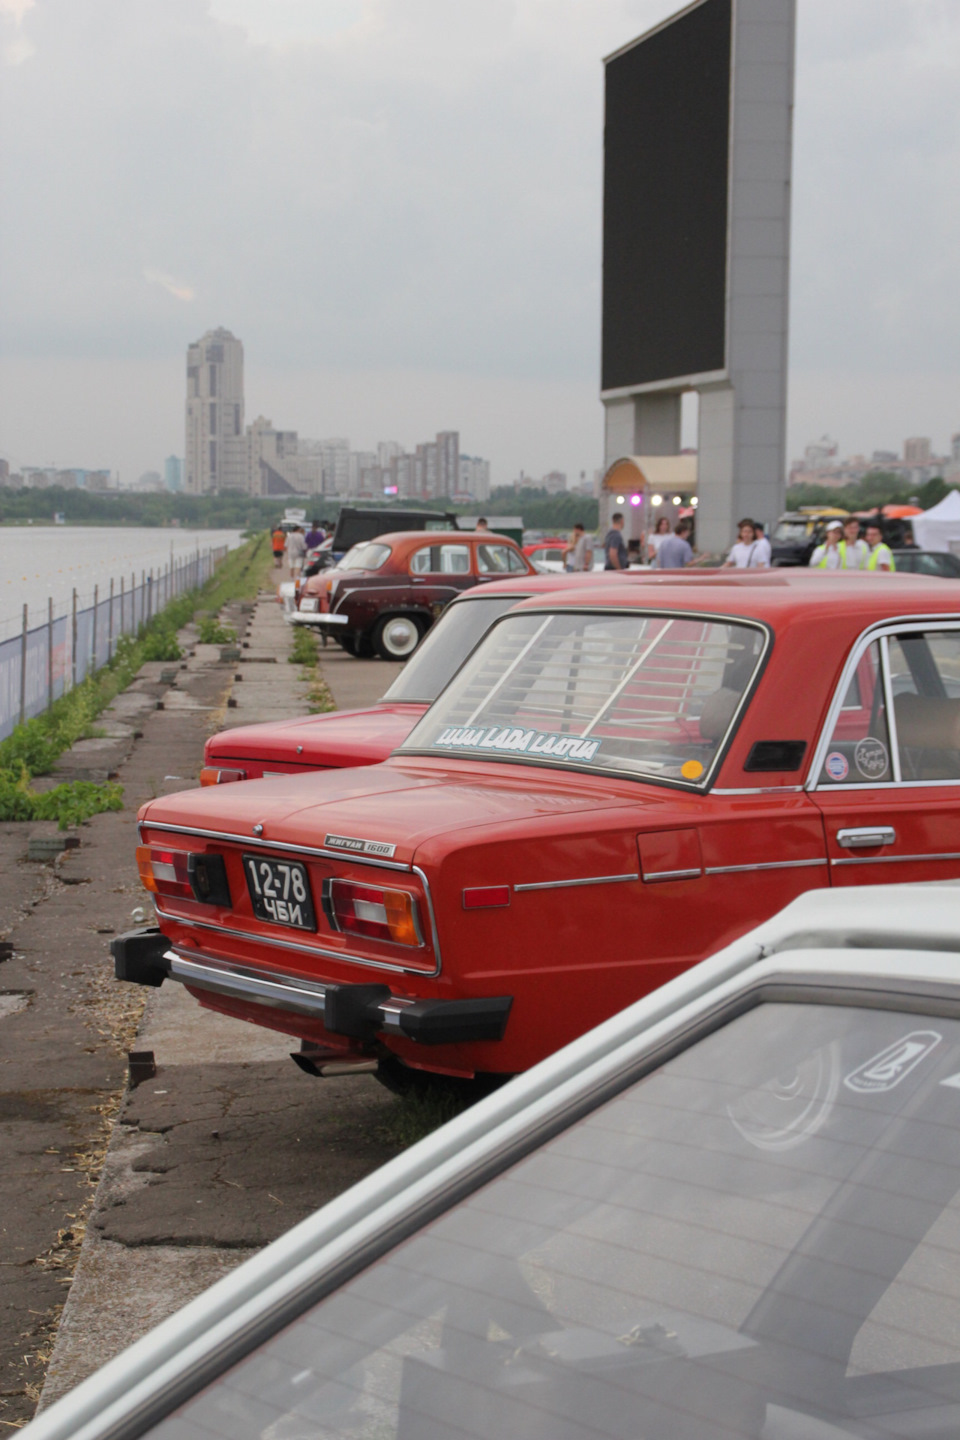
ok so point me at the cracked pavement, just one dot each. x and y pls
(161, 1189)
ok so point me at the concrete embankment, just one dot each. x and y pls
(229, 1144)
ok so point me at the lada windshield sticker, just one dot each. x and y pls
(894, 1064)
(836, 765)
(691, 769)
(870, 757)
(516, 740)
(359, 847)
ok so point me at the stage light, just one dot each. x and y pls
(636, 499)
(619, 499)
(656, 500)
(693, 501)
(676, 500)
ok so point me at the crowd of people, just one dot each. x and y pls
(295, 542)
(669, 547)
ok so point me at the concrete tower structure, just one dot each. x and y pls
(696, 252)
(216, 451)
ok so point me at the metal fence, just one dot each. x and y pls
(47, 659)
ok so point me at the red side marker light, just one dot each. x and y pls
(486, 897)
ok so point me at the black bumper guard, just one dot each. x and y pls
(145, 957)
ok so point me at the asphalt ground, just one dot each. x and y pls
(122, 1202)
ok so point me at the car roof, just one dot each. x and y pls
(435, 537)
(857, 597)
(884, 945)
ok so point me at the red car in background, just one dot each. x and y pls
(365, 737)
(386, 593)
(614, 784)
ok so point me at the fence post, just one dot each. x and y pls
(49, 651)
(23, 669)
(93, 647)
(133, 602)
(110, 626)
(73, 644)
(123, 607)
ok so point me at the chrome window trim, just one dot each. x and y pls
(698, 787)
(142, 1385)
(759, 790)
(585, 880)
(892, 737)
(901, 625)
(317, 951)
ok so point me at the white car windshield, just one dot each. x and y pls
(646, 695)
(757, 1241)
(365, 556)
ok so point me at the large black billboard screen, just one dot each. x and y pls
(665, 201)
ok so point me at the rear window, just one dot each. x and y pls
(366, 556)
(646, 695)
(447, 646)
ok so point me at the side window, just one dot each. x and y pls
(441, 560)
(925, 679)
(420, 562)
(859, 749)
(498, 560)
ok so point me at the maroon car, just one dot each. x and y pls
(386, 593)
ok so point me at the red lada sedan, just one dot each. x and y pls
(365, 737)
(604, 793)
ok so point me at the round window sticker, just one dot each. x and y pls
(691, 769)
(870, 758)
(836, 766)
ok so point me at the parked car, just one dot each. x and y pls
(798, 533)
(729, 1211)
(912, 561)
(604, 792)
(386, 593)
(547, 555)
(364, 737)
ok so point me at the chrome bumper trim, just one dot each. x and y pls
(283, 992)
(307, 617)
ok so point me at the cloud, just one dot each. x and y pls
(409, 187)
(18, 49)
(168, 283)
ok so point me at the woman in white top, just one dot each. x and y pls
(656, 538)
(750, 552)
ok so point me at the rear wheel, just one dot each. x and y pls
(397, 636)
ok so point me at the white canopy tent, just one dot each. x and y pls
(939, 527)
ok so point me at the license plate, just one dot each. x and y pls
(280, 891)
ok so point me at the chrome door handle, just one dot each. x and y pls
(867, 838)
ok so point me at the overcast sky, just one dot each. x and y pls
(396, 205)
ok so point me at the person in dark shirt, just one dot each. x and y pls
(314, 535)
(615, 555)
(676, 551)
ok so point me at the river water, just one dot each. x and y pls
(38, 561)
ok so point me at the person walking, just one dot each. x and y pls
(579, 556)
(656, 538)
(314, 535)
(764, 551)
(296, 550)
(879, 555)
(615, 556)
(277, 541)
(750, 551)
(482, 523)
(676, 551)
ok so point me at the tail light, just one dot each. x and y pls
(372, 911)
(184, 875)
(164, 872)
(214, 775)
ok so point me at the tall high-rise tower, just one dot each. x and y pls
(216, 457)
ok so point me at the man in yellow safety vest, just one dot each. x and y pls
(880, 556)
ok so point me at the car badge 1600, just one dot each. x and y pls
(516, 740)
(359, 847)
